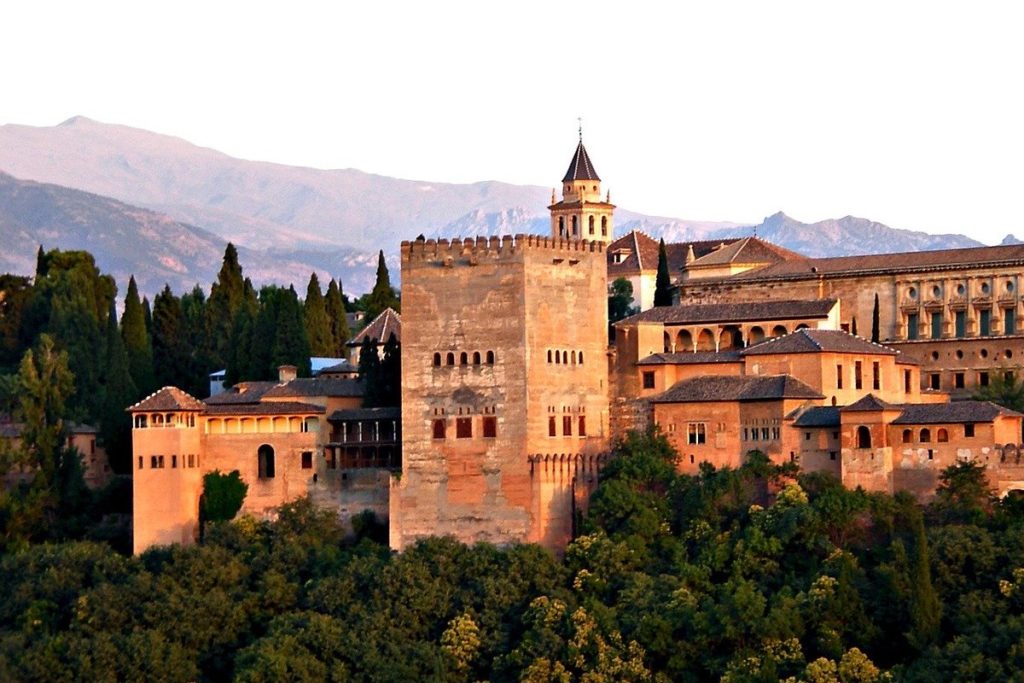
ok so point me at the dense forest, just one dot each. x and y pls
(66, 357)
(755, 574)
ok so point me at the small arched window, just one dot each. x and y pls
(863, 437)
(561, 226)
(437, 359)
(942, 436)
(476, 358)
(490, 357)
(450, 360)
(581, 358)
(549, 355)
(140, 421)
(572, 357)
(926, 436)
(265, 456)
(565, 357)
(604, 226)
(558, 358)
(463, 358)
(575, 227)
(591, 226)
(908, 436)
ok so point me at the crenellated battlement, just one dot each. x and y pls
(490, 248)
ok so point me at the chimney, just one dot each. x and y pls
(286, 373)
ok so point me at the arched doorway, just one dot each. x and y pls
(730, 338)
(863, 437)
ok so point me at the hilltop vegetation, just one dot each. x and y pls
(746, 575)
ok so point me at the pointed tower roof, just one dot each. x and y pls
(580, 167)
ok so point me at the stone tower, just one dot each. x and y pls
(582, 214)
(504, 388)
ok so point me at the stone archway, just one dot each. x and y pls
(706, 340)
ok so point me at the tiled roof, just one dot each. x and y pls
(243, 392)
(366, 414)
(168, 399)
(869, 403)
(691, 358)
(736, 388)
(337, 369)
(747, 250)
(265, 408)
(818, 416)
(580, 167)
(381, 328)
(957, 411)
(643, 253)
(915, 261)
(317, 386)
(816, 341)
(688, 314)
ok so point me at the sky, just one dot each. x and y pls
(908, 113)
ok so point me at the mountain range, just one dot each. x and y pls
(115, 189)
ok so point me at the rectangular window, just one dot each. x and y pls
(764, 434)
(174, 462)
(960, 322)
(1009, 321)
(307, 460)
(746, 434)
(490, 427)
(935, 380)
(835, 435)
(969, 430)
(807, 436)
(696, 433)
(985, 322)
(858, 381)
(937, 325)
(831, 455)
(191, 460)
(152, 462)
(582, 425)
(958, 380)
(839, 376)
(912, 326)
(776, 433)
(160, 462)
(648, 380)
(464, 428)
(552, 428)
(753, 433)
(983, 379)
(439, 428)
(567, 425)
(876, 375)
(906, 381)
(140, 462)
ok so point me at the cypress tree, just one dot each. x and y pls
(137, 343)
(391, 373)
(663, 283)
(147, 315)
(317, 322)
(193, 308)
(170, 350)
(225, 298)
(340, 332)
(118, 393)
(264, 335)
(369, 373)
(291, 346)
(875, 333)
(383, 295)
(925, 608)
(239, 366)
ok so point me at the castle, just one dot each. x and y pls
(512, 395)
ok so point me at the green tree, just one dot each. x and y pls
(223, 495)
(291, 345)
(1005, 388)
(663, 281)
(137, 342)
(317, 321)
(336, 312)
(118, 393)
(964, 494)
(171, 355)
(620, 300)
(925, 608)
(197, 341)
(226, 296)
(369, 374)
(875, 324)
(382, 295)
(15, 293)
(390, 378)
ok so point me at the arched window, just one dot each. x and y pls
(450, 360)
(863, 437)
(591, 225)
(572, 357)
(908, 436)
(463, 358)
(549, 355)
(565, 357)
(668, 342)
(779, 331)
(926, 436)
(604, 226)
(476, 358)
(942, 436)
(265, 455)
(561, 226)
(490, 357)
(140, 421)
(581, 358)
(158, 420)
(575, 227)
(558, 357)
(437, 359)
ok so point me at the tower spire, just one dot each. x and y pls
(581, 214)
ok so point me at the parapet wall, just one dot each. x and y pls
(472, 249)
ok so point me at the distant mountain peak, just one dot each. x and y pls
(75, 121)
(1011, 239)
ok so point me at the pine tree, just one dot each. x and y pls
(875, 333)
(369, 373)
(170, 350)
(383, 295)
(317, 322)
(118, 393)
(340, 332)
(663, 283)
(391, 373)
(137, 343)
(225, 298)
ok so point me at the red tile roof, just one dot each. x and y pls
(817, 341)
(168, 399)
(265, 408)
(733, 313)
(710, 388)
(643, 253)
(580, 167)
(381, 328)
(748, 250)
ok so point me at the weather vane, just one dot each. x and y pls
(579, 120)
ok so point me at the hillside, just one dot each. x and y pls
(154, 247)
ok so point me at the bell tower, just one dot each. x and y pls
(581, 214)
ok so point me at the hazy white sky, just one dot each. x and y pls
(903, 112)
